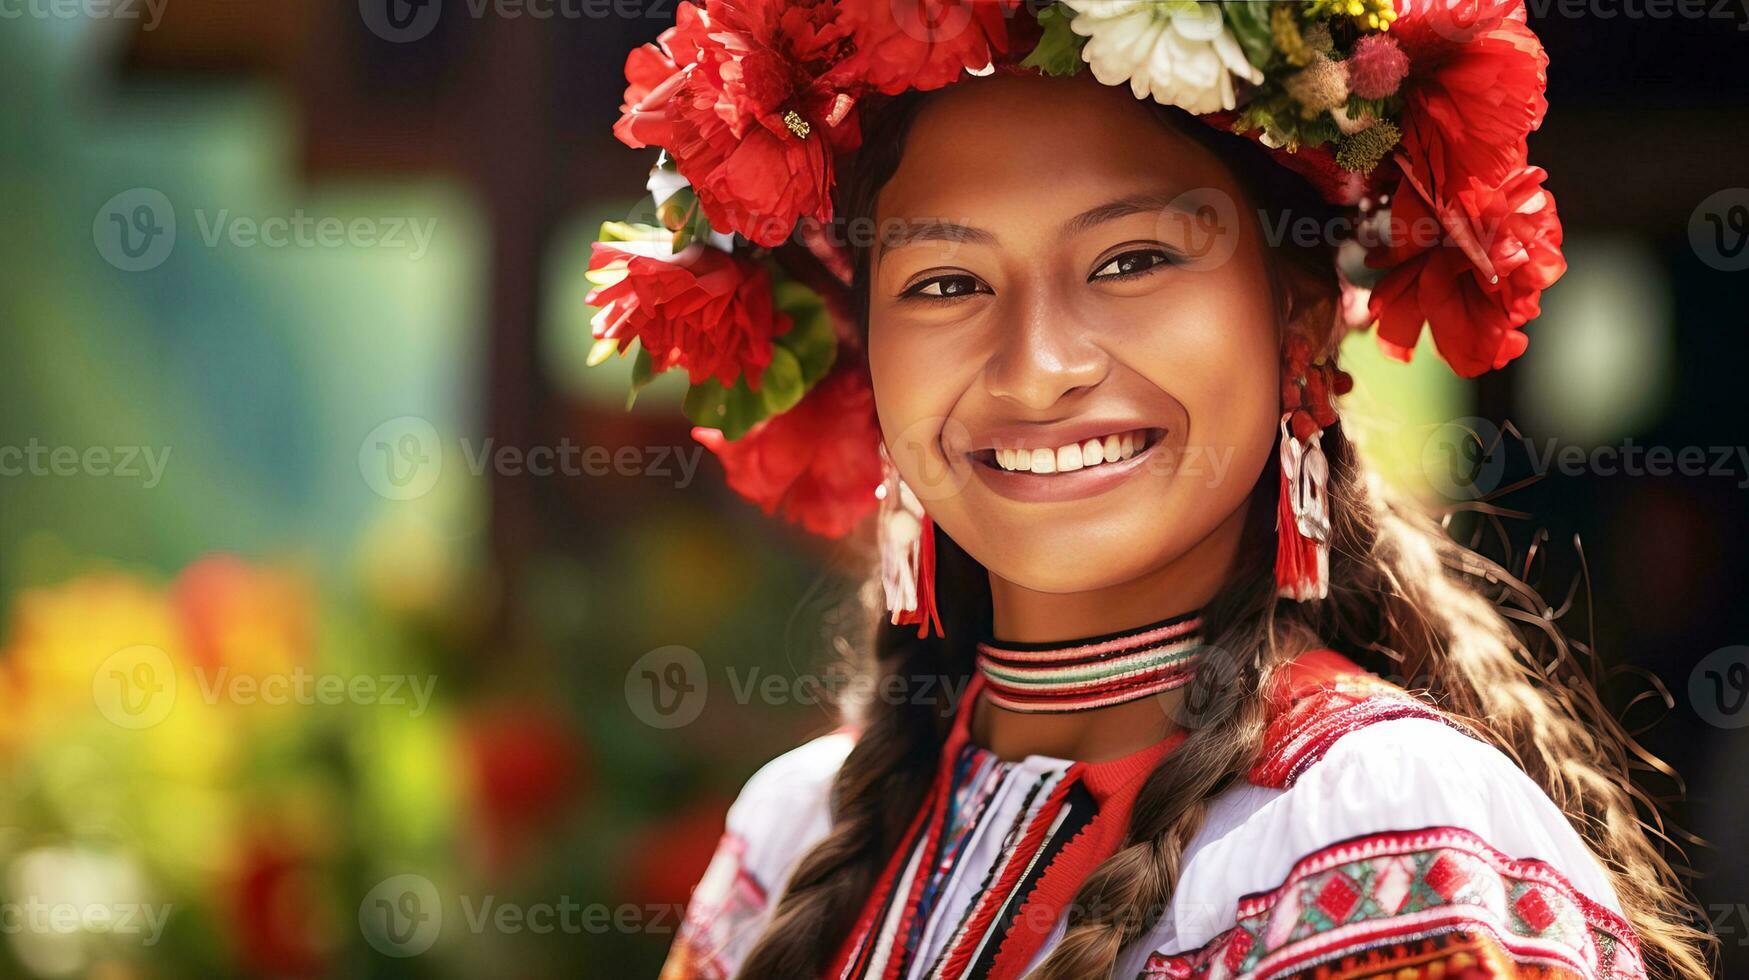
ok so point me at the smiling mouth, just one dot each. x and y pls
(1070, 457)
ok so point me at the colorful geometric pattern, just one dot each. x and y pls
(1125, 666)
(1428, 903)
(726, 907)
(1321, 697)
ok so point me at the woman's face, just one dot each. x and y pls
(1072, 335)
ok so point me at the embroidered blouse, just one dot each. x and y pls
(1375, 837)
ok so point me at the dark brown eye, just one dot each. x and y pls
(1132, 263)
(946, 287)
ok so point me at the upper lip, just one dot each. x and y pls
(1050, 435)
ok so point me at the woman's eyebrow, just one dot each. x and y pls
(938, 230)
(1152, 202)
(933, 230)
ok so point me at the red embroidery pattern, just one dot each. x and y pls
(1321, 697)
(1425, 903)
(726, 904)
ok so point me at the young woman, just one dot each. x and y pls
(1131, 716)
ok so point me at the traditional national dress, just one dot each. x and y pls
(1375, 837)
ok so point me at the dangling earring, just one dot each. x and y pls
(906, 537)
(1302, 514)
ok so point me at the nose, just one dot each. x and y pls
(1042, 355)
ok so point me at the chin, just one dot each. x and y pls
(1066, 558)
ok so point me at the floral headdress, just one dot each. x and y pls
(1413, 112)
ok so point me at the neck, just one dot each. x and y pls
(1023, 615)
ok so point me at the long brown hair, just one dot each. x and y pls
(1406, 601)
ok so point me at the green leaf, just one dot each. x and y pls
(811, 337)
(737, 408)
(781, 386)
(643, 372)
(1059, 47)
(1249, 22)
(733, 409)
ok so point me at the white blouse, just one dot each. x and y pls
(1383, 835)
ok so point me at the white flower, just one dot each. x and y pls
(1177, 51)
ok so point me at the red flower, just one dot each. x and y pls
(664, 860)
(1475, 85)
(526, 769)
(749, 114)
(705, 310)
(650, 65)
(923, 44)
(283, 927)
(1472, 268)
(819, 462)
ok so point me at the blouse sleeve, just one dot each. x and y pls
(779, 815)
(1408, 849)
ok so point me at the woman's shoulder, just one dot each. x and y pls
(781, 812)
(785, 807)
(1375, 826)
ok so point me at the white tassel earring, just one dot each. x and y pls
(906, 537)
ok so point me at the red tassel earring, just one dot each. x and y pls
(906, 538)
(1302, 514)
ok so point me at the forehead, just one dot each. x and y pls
(1031, 148)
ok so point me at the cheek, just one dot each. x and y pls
(916, 382)
(1213, 345)
(1215, 348)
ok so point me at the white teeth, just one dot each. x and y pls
(1074, 456)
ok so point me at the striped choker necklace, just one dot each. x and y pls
(1096, 672)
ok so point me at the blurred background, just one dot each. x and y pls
(342, 612)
